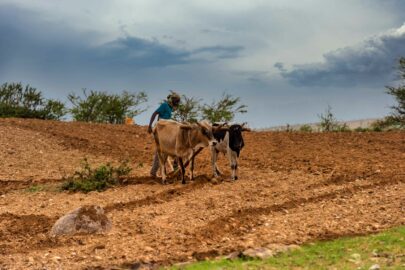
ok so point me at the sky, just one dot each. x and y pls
(287, 60)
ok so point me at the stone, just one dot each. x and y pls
(374, 267)
(233, 256)
(355, 258)
(258, 253)
(89, 219)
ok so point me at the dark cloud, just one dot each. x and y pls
(28, 43)
(371, 63)
(221, 51)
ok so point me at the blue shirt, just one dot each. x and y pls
(164, 111)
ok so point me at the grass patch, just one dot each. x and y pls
(35, 188)
(88, 179)
(386, 249)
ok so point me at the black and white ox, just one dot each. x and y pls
(180, 140)
(230, 142)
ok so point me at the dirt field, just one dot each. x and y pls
(293, 188)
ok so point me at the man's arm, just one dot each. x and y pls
(151, 121)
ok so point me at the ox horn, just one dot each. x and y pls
(223, 126)
(245, 128)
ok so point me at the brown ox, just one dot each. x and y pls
(180, 140)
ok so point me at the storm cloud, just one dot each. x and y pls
(27, 42)
(372, 62)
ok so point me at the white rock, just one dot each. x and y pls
(258, 253)
(88, 219)
(374, 267)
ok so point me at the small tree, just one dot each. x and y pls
(27, 102)
(399, 94)
(328, 121)
(188, 110)
(101, 107)
(223, 110)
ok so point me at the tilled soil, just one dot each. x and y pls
(293, 188)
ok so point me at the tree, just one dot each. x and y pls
(188, 110)
(27, 102)
(399, 95)
(102, 107)
(223, 110)
(328, 122)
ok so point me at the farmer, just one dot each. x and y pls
(163, 112)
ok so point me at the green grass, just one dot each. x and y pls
(386, 249)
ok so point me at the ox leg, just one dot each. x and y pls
(214, 156)
(183, 180)
(162, 161)
(192, 168)
(233, 160)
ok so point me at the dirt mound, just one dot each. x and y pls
(293, 188)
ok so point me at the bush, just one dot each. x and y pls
(223, 110)
(27, 102)
(388, 123)
(361, 129)
(101, 107)
(329, 123)
(188, 110)
(101, 178)
(306, 128)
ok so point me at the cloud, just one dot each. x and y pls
(220, 51)
(371, 63)
(29, 42)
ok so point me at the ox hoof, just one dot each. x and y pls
(235, 178)
(164, 182)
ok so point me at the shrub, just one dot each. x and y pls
(101, 178)
(388, 123)
(101, 107)
(328, 122)
(306, 128)
(223, 110)
(27, 102)
(188, 110)
(361, 129)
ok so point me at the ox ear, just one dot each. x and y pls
(185, 127)
(244, 128)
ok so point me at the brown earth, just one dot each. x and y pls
(294, 188)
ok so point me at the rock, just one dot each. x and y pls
(355, 258)
(374, 267)
(233, 256)
(87, 219)
(214, 180)
(56, 259)
(258, 253)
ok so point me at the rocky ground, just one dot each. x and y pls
(293, 188)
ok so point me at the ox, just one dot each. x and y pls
(230, 142)
(180, 140)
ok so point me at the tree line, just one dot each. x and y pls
(21, 101)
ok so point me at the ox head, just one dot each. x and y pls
(200, 134)
(206, 132)
(236, 142)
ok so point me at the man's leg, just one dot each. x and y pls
(155, 165)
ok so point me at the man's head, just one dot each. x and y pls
(173, 99)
